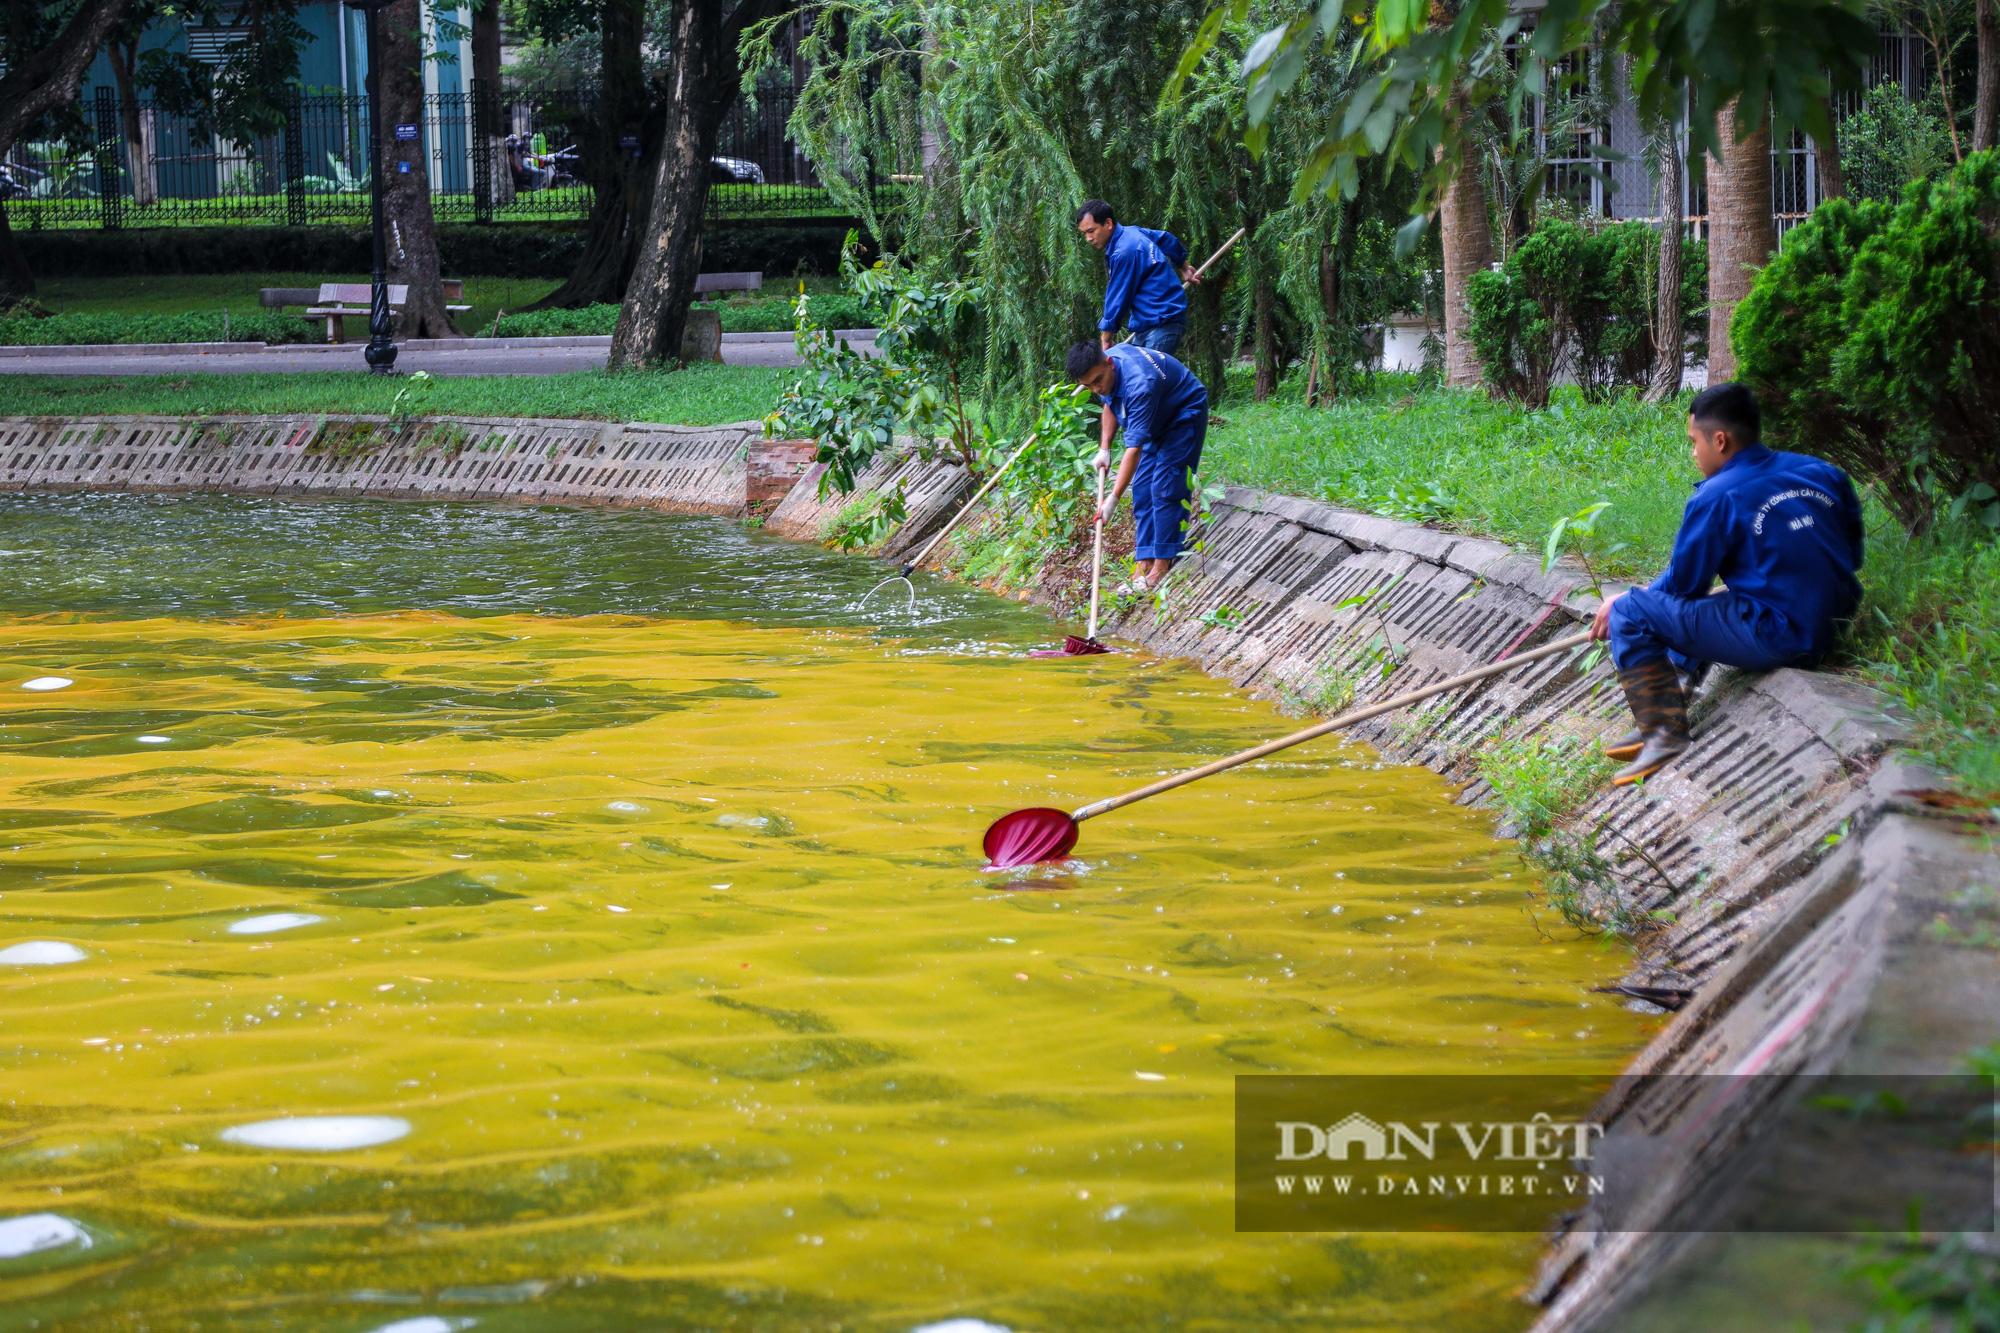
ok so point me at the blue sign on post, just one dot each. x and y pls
(406, 133)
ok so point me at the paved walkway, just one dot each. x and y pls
(471, 356)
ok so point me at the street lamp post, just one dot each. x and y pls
(381, 352)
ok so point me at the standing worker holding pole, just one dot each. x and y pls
(1146, 281)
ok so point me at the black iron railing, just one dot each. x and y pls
(491, 158)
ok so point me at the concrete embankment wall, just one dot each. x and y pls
(1794, 882)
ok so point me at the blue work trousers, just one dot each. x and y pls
(1160, 486)
(1725, 628)
(1161, 337)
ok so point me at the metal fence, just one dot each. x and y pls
(491, 158)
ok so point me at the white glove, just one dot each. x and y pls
(1103, 460)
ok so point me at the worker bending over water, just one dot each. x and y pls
(1782, 532)
(1163, 410)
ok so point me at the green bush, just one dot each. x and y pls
(1892, 141)
(771, 315)
(521, 250)
(1874, 340)
(1577, 302)
(73, 330)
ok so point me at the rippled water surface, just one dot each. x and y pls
(534, 919)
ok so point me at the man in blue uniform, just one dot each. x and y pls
(1163, 409)
(1146, 280)
(1782, 532)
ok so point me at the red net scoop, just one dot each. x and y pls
(1029, 836)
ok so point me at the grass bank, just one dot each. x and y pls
(1462, 462)
(701, 395)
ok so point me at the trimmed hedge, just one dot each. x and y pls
(513, 250)
(1873, 339)
(73, 330)
(766, 316)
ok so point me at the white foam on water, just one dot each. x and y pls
(319, 1133)
(37, 1232)
(48, 683)
(265, 925)
(742, 821)
(962, 1326)
(427, 1323)
(627, 807)
(41, 953)
(154, 740)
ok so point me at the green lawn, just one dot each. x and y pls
(701, 395)
(179, 293)
(1465, 463)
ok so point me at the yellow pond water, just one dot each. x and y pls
(667, 941)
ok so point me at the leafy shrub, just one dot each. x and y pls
(1892, 141)
(200, 326)
(513, 249)
(1873, 339)
(1576, 301)
(853, 405)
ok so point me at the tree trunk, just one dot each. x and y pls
(1986, 100)
(17, 280)
(1265, 301)
(1826, 163)
(1468, 249)
(137, 160)
(1740, 234)
(406, 202)
(620, 187)
(1669, 336)
(701, 86)
(486, 84)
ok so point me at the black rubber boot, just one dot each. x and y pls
(1626, 747)
(1653, 689)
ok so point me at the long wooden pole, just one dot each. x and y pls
(1109, 804)
(918, 558)
(1096, 556)
(1240, 231)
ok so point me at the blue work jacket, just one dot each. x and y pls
(1781, 530)
(1144, 282)
(1155, 394)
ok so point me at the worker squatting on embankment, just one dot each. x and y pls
(1781, 532)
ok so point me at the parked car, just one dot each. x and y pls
(734, 171)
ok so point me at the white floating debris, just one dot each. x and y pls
(742, 821)
(276, 921)
(1149, 1077)
(627, 807)
(615, 908)
(962, 1326)
(48, 683)
(1114, 1212)
(718, 886)
(37, 1232)
(154, 740)
(320, 1133)
(428, 1323)
(41, 953)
